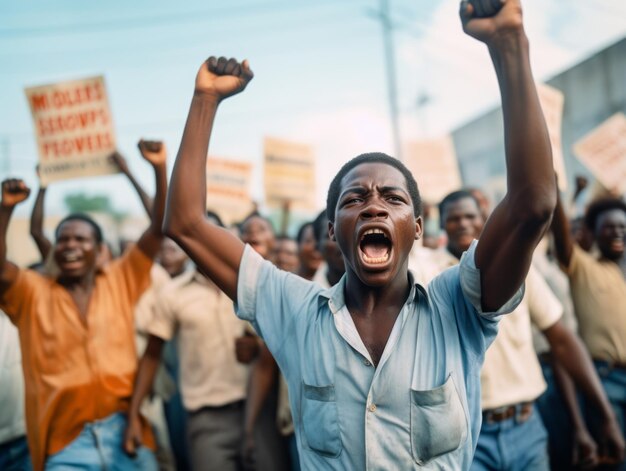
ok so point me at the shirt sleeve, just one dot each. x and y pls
(272, 300)
(544, 307)
(163, 322)
(20, 298)
(132, 273)
(470, 283)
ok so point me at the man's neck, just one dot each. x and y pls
(364, 300)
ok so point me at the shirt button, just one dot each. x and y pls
(366, 362)
(372, 408)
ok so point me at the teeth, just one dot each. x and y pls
(382, 259)
(70, 257)
(373, 231)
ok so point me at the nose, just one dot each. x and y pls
(374, 210)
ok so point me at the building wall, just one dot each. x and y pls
(594, 90)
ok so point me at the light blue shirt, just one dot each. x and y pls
(419, 409)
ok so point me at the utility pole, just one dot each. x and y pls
(383, 15)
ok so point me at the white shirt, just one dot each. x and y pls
(11, 382)
(204, 317)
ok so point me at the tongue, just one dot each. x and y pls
(375, 250)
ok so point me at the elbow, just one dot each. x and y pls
(535, 208)
(175, 228)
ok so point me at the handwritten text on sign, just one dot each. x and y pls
(74, 129)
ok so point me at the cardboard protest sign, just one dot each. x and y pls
(434, 165)
(551, 101)
(289, 174)
(74, 129)
(603, 151)
(228, 188)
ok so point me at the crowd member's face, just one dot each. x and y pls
(309, 256)
(171, 257)
(76, 249)
(286, 255)
(258, 233)
(375, 225)
(611, 233)
(463, 223)
(331, 254)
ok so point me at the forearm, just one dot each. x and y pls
(571, 354)
(158, 204)
(146, 201)
(567, 389)
(5, 218)
(148, 366)
(262, 377)
(36, 225)
(186, 202)
(561, 231)
(530, 176)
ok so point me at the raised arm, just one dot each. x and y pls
(14, 191)
(120, 161)
(36, 223)
(154, 153)
(215, 251)
(563, 242)
(517, 224)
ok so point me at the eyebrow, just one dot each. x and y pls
(359, 190)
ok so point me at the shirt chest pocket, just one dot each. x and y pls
(320, 420)
(438, 423)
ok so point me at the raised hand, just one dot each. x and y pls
(14, 191)
(153, 151)
(489, 30)
(221, 78)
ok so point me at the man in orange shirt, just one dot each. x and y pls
(77, 335)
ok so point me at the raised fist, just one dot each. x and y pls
(488, 30)
(153, 151)
(14, 191)
(223, 77)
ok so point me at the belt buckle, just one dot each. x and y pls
(523, 412)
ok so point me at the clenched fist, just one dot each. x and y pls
(14, 191)
(490, 30)
(153, 151)
(221, 78)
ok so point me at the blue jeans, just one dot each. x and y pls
(614, 382)
(512, 445)
(14, 455)
(99, 447)
(557, 421)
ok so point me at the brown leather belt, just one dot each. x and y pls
(521, 412)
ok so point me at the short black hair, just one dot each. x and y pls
(213, 215)
(301, 231)
(375, 158)
(320, 226)
(600, 206)
(256, 214)
(97, 231)
(451, 198)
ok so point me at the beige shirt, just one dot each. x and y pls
(207, 327)
(12, 422)
(599, 293)
(511, 373)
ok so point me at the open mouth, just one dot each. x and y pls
(617, 245)
(375, 246)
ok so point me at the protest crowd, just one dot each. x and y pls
(362, 342)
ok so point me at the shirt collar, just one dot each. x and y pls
(335, 298)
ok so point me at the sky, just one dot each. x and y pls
(320, 74)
